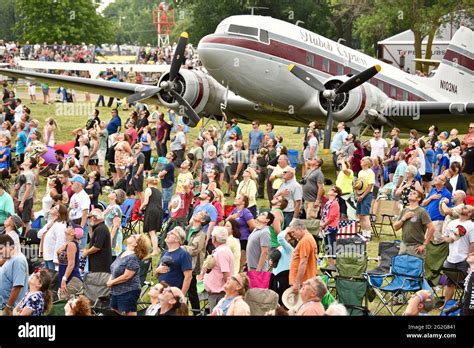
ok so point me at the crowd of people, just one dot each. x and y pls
(164, 55)
(184, 190)
(11, 52)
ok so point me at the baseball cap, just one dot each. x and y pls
(79, 179)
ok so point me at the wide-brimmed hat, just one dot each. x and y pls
(360, 186)
(175, 203)
(291, 300)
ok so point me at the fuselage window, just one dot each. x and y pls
(309, 59)
(340, 69)
(405, 95)
(264, 36)
(325, 64)
(244, 31)
(393, 91)
(380, 85)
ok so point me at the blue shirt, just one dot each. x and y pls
(433, 207)
(256, 138)
(168, 179)
(114, 125)
(271, 135)
(21, 143)
(210, 210)
(118, 268)
(5, 164)
(338, 140)
(14, 272)
(178, 261)
(443, 162)
(430, 159)
(400, 171)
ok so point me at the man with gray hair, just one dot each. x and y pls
(223, 261)
(292, 191)
(211, 162)
(312, 292)
(175, 266)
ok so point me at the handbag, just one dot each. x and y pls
(259, 280)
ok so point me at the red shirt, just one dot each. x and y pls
(132, 135)
(161, 127)
(186, 199)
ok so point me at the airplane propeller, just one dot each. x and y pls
(191, 117)
(331, 94)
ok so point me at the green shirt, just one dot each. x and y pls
(6, 206)
(413, 230)
(273, 236)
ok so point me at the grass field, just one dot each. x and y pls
(70, 120)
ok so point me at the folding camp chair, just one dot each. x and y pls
(406, 276)
(386, 212)
(387, 250)
(351, 264)
(456, 277)
(130, 217)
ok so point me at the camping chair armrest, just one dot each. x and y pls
(379, 277)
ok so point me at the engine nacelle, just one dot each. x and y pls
(353, 107)
(192, 85)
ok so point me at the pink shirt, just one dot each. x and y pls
(333, 215)
(132, 135)
(224, 259)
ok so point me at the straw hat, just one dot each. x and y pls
(360, 186)
(291, 300)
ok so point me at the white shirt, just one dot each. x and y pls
(54, 239)
(18, 113)
(459, 249)
(454, 181)
(312, 143)
(79, 202)
(378, 148)
(421, 156)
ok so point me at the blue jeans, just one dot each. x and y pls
(49, 265)
(166, 194)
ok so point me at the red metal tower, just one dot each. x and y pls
(163, 21)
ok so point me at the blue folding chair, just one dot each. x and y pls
(127, 210)
(406, 276)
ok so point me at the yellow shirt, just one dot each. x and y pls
(234, 245)
(368, 175)
(249, 189)
(344, 182)
(183, 178)
(277, 171)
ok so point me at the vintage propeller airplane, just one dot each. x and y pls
(261, 67)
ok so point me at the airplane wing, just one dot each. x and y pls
(102, 87)
(93, 68)
(429, 108)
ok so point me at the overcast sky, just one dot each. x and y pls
(104, 4)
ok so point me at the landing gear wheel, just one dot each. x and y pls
(191, 122)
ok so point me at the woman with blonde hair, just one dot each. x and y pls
(94, 148)
(124, 280)
(153, 206)
(233, 302)
(123, 152)
(248, 187)
(49, 128)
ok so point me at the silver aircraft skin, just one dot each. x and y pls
(245, 72)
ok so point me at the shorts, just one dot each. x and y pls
(94, 162)
(137, 184)
(462, 266)
(101, 157)
(243, 244)
(363, 208)
(45, 91)
(32, 90)
(126, 302)
(26, 213)
(311, 211)
(428, 177)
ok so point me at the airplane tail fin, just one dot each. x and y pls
(454, 76)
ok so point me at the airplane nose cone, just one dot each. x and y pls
(211, 55)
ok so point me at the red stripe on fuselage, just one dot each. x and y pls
(200, 92)
(461, 59)
(291, 53)
(362, 105)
